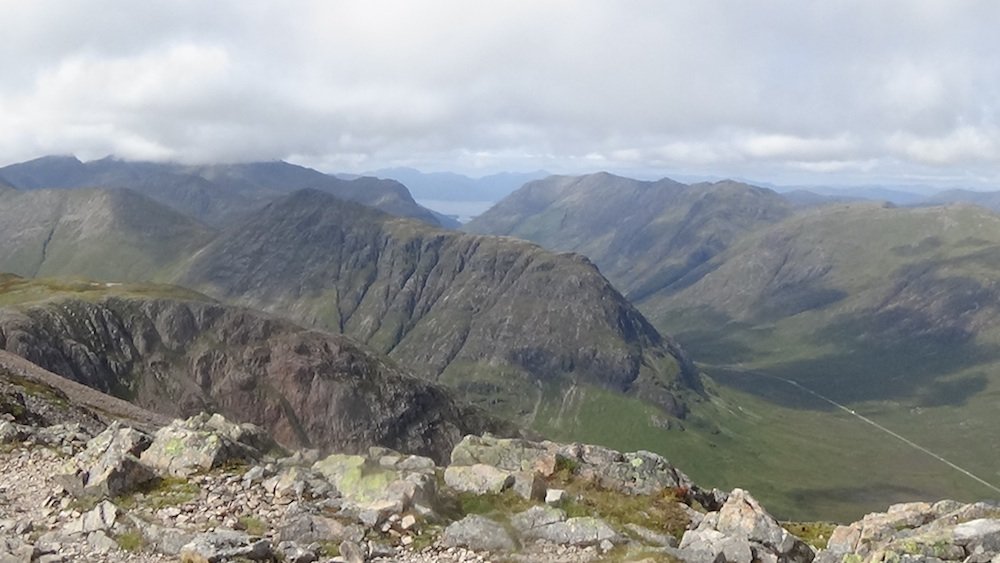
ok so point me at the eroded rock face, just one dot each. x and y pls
(307, 388)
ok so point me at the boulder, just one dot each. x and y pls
(478, 479)
(200, 443)
(101, 517)
(373, 491)
(225, 545)
(742, 520)
(509, 454)
(982, 534)
(478, 533)
(550, 524)
(306, 528)
(108, 466)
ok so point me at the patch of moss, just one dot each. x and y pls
(160, 493)
(816, 534)
(500, 506)
(131, 541)
(253, 526)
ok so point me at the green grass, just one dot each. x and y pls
(131, 541)
(253, 526)
(816, 534)
(15, 290)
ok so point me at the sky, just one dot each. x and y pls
(787, 92)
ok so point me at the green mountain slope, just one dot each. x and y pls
(112, 235)
(645, 236)
(500, 319)
(178, 353)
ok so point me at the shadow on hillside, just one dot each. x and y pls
(875, 360)
(851, 503)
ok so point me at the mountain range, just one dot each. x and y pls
(506, 323)
(888, 310)
(213, 194)
(790, 304)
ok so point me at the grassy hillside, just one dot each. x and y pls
(803, 460)
(108, 235)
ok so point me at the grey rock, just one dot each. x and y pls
(478, 479)
(981, 534)
(162, 539)
(305, 528)
(352, 552)
(201, 442)
(109, 466)
(536, 517)
(225, 545)
(291, 552)
(583, 531)
(479, 534)
(101, 517)
(742, 519)
(529, 485)
(100, 542)
(650, 537)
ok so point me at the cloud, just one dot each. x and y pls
(713, 87)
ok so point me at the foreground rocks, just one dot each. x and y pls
(920, 531)
(207, 490)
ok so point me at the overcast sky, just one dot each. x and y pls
(791, 91)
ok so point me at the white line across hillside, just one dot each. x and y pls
(903, 439)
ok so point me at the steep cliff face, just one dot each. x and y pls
(487, 315)
(179, 357)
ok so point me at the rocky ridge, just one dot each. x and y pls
(206, 489)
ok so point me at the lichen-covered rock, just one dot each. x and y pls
(109, 466)
(375, 491)
(200, 443)
(478, 479)
(225, 545)
(636, 473)
(510, 454)
(478, 533)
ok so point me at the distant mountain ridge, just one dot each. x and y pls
(449, 186)
(505, 322)
(214, 193)
(645, 236)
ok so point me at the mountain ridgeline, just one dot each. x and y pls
(177, 355)
(487, 315)
(213, 194)
(647, 237)
(508, 324)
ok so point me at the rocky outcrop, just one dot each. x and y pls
(179, 357)
(919, 531)
(633, 473)
(379, 505)
(743, 532)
